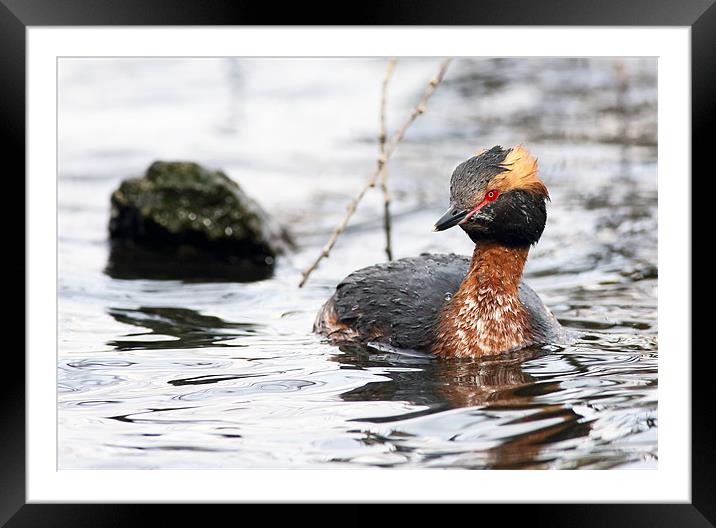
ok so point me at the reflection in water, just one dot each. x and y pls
(128, 261)
(189, 328)
(524, 450)
(437, 383)
(488, 385)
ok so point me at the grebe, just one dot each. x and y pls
(450, 305)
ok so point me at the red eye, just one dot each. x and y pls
(491, 195)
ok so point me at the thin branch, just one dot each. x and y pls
(380, 165)
(381, 142)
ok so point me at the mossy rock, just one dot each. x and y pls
(181, 207)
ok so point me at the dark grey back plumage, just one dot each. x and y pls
(402, 300)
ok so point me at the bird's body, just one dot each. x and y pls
(451, 305)
(397, 304)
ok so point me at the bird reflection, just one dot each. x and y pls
(497, 385)
(440, 383)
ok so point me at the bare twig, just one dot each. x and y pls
(384, 176)
(380, 165)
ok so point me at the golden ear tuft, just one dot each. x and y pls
(520, 173)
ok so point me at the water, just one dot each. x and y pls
(187, 374)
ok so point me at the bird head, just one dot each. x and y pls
(497, 195)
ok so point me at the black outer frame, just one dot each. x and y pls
(16, 15)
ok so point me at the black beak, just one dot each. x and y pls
(452, 217)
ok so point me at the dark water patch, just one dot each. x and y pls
(187, 328)
(130, 418)
(562, 100)
(169, 448)
(203, 380)
(432, 409)
(587, 324)
(90, 403)
(277, 386)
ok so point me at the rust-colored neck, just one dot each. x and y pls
(497, 267)
(485, 316)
